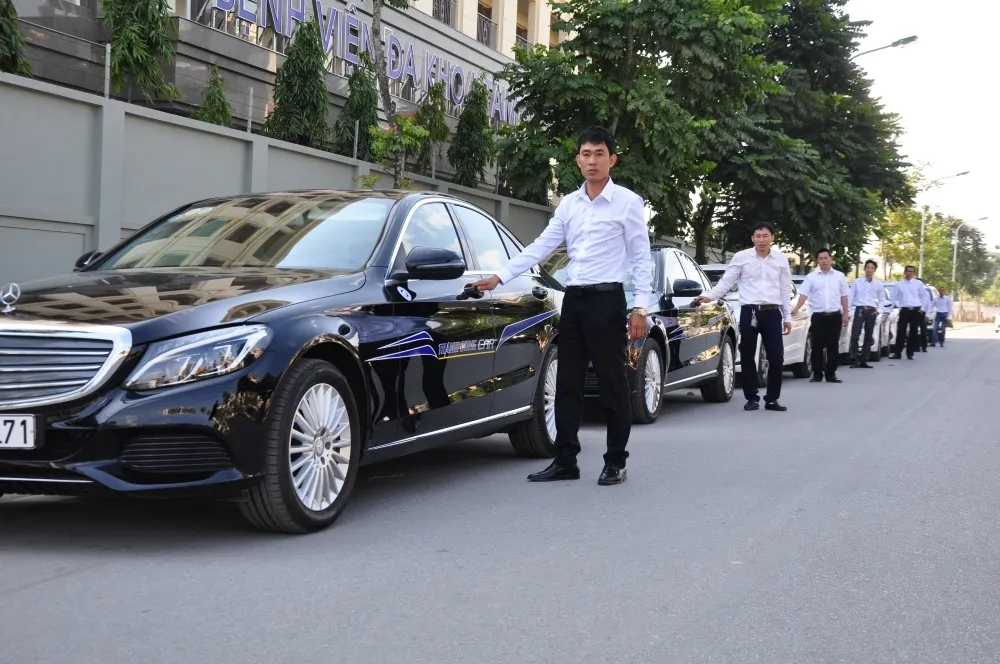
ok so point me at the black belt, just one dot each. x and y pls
(596, 288)
(763, 307)
(911, 308)
(827, 313)
(864, 306)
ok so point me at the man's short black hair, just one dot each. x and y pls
(762, 225)
(596, 135)
(909, 267)
(824, 250)
(872, 263)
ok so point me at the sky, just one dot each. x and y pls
(945, 89)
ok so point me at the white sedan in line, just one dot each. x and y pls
(797, 344)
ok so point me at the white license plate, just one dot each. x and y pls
(17, 432)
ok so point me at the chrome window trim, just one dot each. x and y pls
(120, 338)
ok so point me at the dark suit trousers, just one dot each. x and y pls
(769, 328)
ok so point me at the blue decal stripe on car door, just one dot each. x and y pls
(517, 328)
(410, 352)
(419, 336)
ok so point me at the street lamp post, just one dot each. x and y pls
(923, 220)
(899, 42)
(954, 259)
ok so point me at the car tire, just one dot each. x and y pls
(275, 504)
(650, 358)
(801, 369)
(720, 389)
(535, 438)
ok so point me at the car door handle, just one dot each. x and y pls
(540, 292)
(470, 291)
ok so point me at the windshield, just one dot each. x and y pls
(332, 232)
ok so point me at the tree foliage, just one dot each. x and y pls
(142, 35)
(662, 75)
(472, 148)
(301, 100)
(851, 170)
(406, 137)
(361, 107)
(215, 107)
(431, 116)
(396, 161)
(12, 58)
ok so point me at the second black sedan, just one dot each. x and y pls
(265, 346)
(687, 344)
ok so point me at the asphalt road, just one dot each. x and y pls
(860, 526)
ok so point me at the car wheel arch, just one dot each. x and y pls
(339, 353)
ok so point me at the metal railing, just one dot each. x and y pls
(445, 11)
(486, 31)
(522, 42)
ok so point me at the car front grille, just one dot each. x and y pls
(177, 453)
(43, 364)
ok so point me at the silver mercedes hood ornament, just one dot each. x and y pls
(9, 294)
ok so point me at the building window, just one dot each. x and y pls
(486, 30)
(521, 38)
(445, 11)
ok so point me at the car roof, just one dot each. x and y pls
(714, 266)
(335, 195)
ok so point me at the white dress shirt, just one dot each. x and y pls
(942, 305)
(824, 290)
(604, 237)
(864, 293)
(761, 280)
(909, 293)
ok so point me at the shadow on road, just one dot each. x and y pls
(77, 525)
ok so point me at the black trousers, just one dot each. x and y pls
(593, 328)
(925, 333)
(908, 331)
(825, 329)
(768, 326)
(864, 319)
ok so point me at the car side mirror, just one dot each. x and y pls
(85, 260)
(434, 263)
(686, 288)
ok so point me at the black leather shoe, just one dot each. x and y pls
(751, 405)
(774, 405)
(865, 366)
(612, 475)
(833, 379)
(555, 472)
(816, 379)
(895, 357)
(855, 364)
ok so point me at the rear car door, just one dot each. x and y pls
(520, 309)
(709, 318)
(683, 341)
(445, 338)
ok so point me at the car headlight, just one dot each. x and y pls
(199, 356)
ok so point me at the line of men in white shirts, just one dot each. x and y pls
(832, 299)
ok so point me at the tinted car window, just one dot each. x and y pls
(673, 268)
(338, 233)
(488, 247)
(431, 226)
(693, 272)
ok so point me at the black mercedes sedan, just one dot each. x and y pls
(263, 347)
(687, 344)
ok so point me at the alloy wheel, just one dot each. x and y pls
(728, 368)
(319, 448)
(550, 398)
(653, 381)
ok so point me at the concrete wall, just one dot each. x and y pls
(81, 172)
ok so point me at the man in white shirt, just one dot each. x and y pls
(867, 299)
(942, 307)
(826, 289)
(909, 295)
(605, 233)
(765, 287)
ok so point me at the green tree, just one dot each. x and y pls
(472, 148)
(664, 76)
(142, 35)
(361, 107)
(215, 107)
(406, 138)
(431, 116)
(12, 58)
(301, 100)
(856, 173)
(397, 160)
